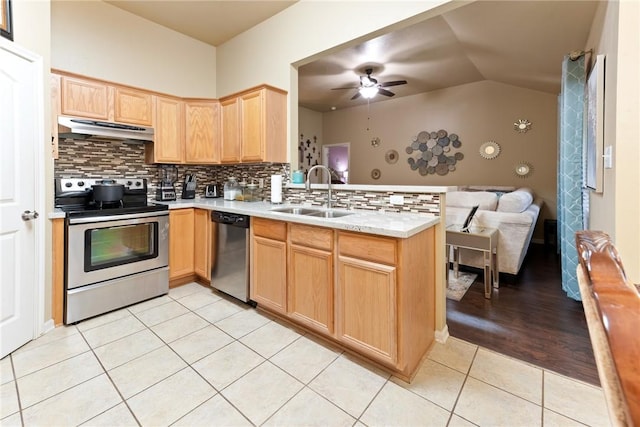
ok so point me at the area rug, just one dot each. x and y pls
(457, 286)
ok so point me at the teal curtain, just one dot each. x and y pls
(570, 169)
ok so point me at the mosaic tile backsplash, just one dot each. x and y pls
(115, 159)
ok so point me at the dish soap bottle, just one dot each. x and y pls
(231, 188)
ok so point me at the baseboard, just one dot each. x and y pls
(442, 335)
(47, 326)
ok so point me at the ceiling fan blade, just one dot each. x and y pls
(348, 87)
(393, 83)
(385, 92)
(356, 96)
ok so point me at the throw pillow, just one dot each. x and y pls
(516, 201)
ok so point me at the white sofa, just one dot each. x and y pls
(513, 213)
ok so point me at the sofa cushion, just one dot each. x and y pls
(516, 201)
(467, 199)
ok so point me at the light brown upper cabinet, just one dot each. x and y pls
(230, 135)
(168, 145)
(254, 126)
(133, 106)
(98, 100)
(85, 98)
(202, 131)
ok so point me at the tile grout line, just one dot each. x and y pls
(15, 380)
(112, 383)
(466, 377)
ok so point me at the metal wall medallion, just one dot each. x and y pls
(391, 156)
(522, 126)
(435, 152)
(489, 150)
(375, 174)
(523, 169)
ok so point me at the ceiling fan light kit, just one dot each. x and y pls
(369, 87)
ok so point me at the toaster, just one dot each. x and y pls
(211, 191)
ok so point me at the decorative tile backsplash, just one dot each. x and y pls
(369, 200)
(116, 159)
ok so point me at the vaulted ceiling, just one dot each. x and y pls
(517, 42)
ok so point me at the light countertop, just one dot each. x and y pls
(391, 224)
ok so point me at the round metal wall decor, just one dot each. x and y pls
(523, 169)
(435, 152)
(522, 126)
(489, 150)
(391, 156)
(375, 174)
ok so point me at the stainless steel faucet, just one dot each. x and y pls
(308, 183)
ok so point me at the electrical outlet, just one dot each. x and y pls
(396, 200)
(260, 182)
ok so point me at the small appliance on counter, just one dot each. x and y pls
(166, 190)
(211, 191)
(189, 187)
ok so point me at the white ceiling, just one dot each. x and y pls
(517, 42)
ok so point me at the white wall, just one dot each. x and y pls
(266, 52)
(616, 210)
(310, 125)
(99, 40)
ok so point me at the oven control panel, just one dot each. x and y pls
(68, 185)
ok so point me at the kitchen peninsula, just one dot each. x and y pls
(367, 281)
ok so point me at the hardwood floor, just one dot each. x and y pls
(529, 318)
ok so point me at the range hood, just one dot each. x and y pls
(74, 128)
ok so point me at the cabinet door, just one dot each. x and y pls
(230, 136)
(85, 98)
(310, 292)
(202, 133)
(366, 317)
(252, 126)
(181, 244)
(168, 145)
(268, 273)
(202, 243)
(133, 106)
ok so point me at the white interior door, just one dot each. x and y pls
(21, 137)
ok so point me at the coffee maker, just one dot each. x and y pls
(166, 191)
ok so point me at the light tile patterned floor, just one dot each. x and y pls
(194, 359)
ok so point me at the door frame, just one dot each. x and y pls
(39, 185)
(325, 154)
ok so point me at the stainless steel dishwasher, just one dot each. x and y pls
(230, 255)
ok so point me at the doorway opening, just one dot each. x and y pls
(336, 158)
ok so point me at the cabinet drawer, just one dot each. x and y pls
(270, 229)
(367, 247)
(312, 237)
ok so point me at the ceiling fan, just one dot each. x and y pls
(369, 87)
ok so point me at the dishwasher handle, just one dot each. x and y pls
(236, 220)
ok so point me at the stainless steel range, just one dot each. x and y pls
(116, 252)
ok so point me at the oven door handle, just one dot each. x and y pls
(91, 219)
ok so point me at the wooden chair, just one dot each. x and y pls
(612, 309)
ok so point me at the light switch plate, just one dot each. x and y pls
(608, 157)
(396, 200)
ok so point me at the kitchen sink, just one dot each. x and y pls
(311, 212)
(329, 214)
(295, 210)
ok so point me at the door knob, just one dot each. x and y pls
(28, 215)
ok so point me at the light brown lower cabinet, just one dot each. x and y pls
(181, 243)
(202, 243)
(269, 264)
(374, 295)
(310, 284)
